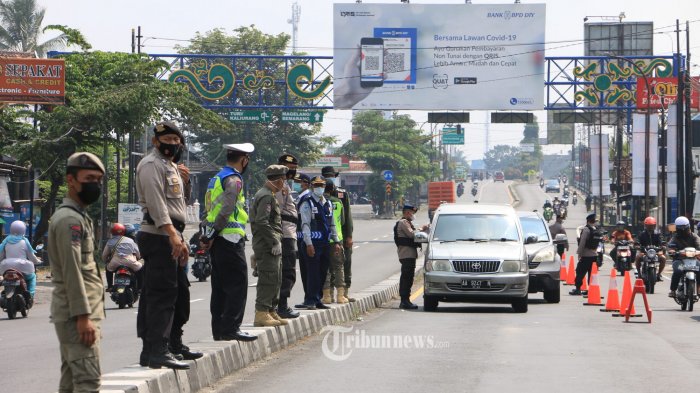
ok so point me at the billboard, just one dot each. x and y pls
(639, 146)
(32, 81)
(666, 88)
(438, 56)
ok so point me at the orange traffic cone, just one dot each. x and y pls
(613, 302)
(594, 289)
(571, 272)
(562, 270)
(626, 297)
(563, 256)
(584, 286)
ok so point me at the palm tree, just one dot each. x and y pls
(20, 27)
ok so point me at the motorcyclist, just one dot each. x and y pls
(121, 250)
(681, 239)
(17, 253)
(558, 228)
(547, 204)
(650, 237)
(620, 233)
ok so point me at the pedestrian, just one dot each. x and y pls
(77, 299)
(317, 230)
(225, 234)
(342, 194)
(558, 229)
(162, 246)
(588, 201)
(266, 224)
(587, 254)
(289, 237)
(336, 277)
(407, 250)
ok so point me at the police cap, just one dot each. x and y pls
(410, 207)
(318, 181)
(329, 171)
(287, 159)
(245, 148)
(85, 160)
(275, 171)
(590, 217)
(168, 127)
(303, 177)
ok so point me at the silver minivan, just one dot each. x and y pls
(475, 253)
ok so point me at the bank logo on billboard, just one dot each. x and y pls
(521, 101)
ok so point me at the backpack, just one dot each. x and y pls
(403, 241)
(595, 236)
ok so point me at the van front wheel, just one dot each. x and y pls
(520, 304)
(430, 303)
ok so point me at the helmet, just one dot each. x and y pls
(118, 229)
(682, 223)
(650, 221)
(130, 229)
(621, 223)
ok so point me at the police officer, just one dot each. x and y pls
(266, 224)
(161, 197)
(336, 276)
(305, 188)
(225, 234)
(317, 229)
(77, 301)
(330, 173)
(408, 253)
(289, 237)
(587, 256)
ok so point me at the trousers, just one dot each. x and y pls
(316, 271)
(229, 286)
(289, 267)
(269, 280)
(584, 266)
(408, 271)
(347, 268)
(80, 365)
(336, 271)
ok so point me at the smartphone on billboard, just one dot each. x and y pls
(372, 62)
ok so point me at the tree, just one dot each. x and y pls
(20, 27)
(531, 161)
(501, 157)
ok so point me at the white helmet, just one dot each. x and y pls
(682, 223)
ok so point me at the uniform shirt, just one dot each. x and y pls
(342, 194)
(288, 208)
(305, 213)
(406, 229)
(265, 221)
(556, 229)
(232, 187)
(78, 288)
(582, 250)
(160, 191)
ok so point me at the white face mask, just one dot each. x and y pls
(319, 191)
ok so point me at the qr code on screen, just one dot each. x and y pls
(394, 62)
(372, 63)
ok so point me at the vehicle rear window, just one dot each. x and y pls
(475, 226)
(534, 226)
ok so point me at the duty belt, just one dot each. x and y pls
(289, 218)
(179, 225)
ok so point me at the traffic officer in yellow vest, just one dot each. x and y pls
(77, 300)
(330, 173)
(266, 224)
(225, 234)
(335, 277)
(161, 197)
(289, 237)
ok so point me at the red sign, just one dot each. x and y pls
(32, 81)
(666, 88)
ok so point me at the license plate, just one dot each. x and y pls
(122, 281)
(476, 284)
(10, 283)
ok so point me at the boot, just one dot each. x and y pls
(332, 289)
(178, 348)
(341, 296)
(326, 299)
(284, 311)
(277, 318)
(350, 299)
(145, 353)
(161, 357)
(407, 305)
(263, 318)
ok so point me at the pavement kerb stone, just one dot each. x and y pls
(223, 358)
(513, 193)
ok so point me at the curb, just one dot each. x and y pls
(514, 194)
(222, 358)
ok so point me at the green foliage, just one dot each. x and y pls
(501, 157)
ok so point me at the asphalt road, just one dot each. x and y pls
(30, 347)
(485, 348)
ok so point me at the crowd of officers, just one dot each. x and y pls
(316, 229)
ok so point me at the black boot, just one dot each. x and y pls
(407, 305)
(161, 357)
(145, 353)
(284, 311)
(178, 348)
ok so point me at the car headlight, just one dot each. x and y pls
(545, 255)
(511, 266)
(438, 265)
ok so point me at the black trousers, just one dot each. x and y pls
(301, 254)
(289, 268)
(160, 288)
(408, 270)
(229, 286)
(584, 266)
(182, 304)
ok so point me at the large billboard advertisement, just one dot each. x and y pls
(439, 56)
(32, 81)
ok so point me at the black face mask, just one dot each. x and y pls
(291, 173)
(90, 192)
(170, 149)
(178, 154)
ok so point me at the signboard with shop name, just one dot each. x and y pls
(666, 88)
(334, 161)
(33, 81)
(130, 213)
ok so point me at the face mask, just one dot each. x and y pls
(318, 191)
(178, 155)
(90, 192)
(291, 173)
(170, 149)
(296, 187)
(410, 217)
(245, 166)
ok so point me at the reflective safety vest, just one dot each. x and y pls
(214, 201)
(320, 220)
(338, 218)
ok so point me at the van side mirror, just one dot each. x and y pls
(531, 239)
(420, 237)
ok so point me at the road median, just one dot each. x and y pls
(513, 194)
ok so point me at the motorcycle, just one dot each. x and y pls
(560, 210)
(648, 269)
(548, 213)
(474, 191)
(574, 200)
(541, 183)
(15, 297)
(623, 260)
(460, 191)
(125, 292)
(201, 268)
(687, 292)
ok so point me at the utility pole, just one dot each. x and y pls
(689, 175)
(131, 195)
(296, 17)
(680, 162)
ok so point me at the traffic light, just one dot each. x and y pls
(459, 129)
(388, 188)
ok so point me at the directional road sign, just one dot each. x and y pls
(388, 175)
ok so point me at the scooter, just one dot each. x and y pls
(125, 292)
(623, 260)
(548, 213)
(541, 183)
(15, 297)
(201, 268)
(687, 291)
(648, 269)
(574, 199)
(474, 191)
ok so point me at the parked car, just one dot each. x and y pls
(542, 257)
(475, 253)
(499, 176)
(553, 186)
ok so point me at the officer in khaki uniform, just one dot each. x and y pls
(289, 237)
(161, 197)
(336, 275)
(77, 301)
(266, 223)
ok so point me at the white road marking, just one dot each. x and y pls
(356, 247)
(365, 243)
(195, 300)
(385, 235)
(375, 239)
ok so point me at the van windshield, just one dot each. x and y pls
(496, 227)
